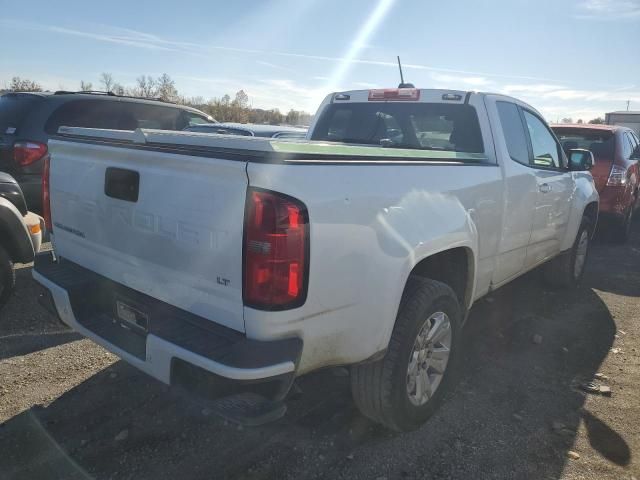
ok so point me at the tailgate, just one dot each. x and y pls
(167, 225)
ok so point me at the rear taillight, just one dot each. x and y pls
(276, 251)
(46, 204)
(394, 94)
(617, 176)
(25, 152)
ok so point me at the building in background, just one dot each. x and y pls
(624, 119)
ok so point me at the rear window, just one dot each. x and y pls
(13, 109)
(118, 115)
(420, 126)
(601, 143)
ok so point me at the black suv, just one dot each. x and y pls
(27, 120)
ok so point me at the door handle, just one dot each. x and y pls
(545, 188)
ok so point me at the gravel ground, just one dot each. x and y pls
(72, 410)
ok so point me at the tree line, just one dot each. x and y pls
(595, 121)
(224, 109)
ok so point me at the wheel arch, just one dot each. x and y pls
(14, 235)
(591, 212)
(454, 267)
(585, 202)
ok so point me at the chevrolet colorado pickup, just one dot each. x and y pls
(252, 261)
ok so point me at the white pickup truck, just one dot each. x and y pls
(253, 261)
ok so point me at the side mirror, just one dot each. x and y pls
(580, 160)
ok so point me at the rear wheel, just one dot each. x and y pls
(622, 231)
(7, 277)
(567, 269)
(403, 389)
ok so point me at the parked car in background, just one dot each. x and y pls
(616, 172)
(251, 130)
(20, 233)
(27, 120)
(270, 259)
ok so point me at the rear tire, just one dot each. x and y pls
(621, 232)
(567, 269)
(404, 388)
(7, 277)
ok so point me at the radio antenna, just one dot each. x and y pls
(402, 84)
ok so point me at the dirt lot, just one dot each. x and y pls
(72, 410)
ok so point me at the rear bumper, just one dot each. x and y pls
(174, 338)
(615, 202)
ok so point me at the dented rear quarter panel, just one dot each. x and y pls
(369, 226)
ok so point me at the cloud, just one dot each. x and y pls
(547, 94)
(543, 91)
(365, 31)
(366, 85)
(531, 88)
(558, 101)
(145, 40)
(117, 35)
(468, 81)
(274, 66)
(609, 9)
(283, 93)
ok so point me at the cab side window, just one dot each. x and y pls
(192, 119)
(142, 115)
(86, 114)
(514, 133)
(546, 150)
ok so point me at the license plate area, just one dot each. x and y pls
(131, 315)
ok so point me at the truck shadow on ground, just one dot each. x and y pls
(514, 413)
(39, 331)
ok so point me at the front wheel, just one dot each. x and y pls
(567, 269)
(403, 389)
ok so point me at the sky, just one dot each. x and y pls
(567, 58)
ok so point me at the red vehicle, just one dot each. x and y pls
(616, 151)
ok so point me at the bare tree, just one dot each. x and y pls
(240, 107)
(274, 117)
(24, 85)
(293, 117)
(567, 120)
(85, 86)
(118, 89)
(242, 99)
(147, 86)
(107, 81)
(166, 88)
